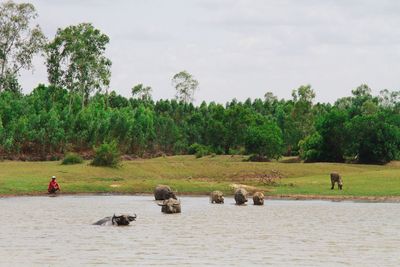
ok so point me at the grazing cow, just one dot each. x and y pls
(217, 197)
(258, 198)
(121, 220)
(163, 192)
(240, 196)
(336, 178)
(170, 206)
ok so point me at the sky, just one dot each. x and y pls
(238, 48)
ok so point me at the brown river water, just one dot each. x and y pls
(57, 231)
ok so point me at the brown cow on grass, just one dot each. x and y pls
(336, 178)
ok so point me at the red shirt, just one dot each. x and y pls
(53, 185)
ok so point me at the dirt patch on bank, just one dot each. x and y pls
(249, 188)
(264, 177)
(337, 198)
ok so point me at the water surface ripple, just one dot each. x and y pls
(44, 231)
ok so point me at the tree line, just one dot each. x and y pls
(362, 127)
(78, 112)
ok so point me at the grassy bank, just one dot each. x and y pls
(200, 176)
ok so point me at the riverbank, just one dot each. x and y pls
(191, 176)
(370, 199)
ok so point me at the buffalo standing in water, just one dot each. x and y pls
(336, 178)
(258, 198)
(217, 197)
(121, 220)
(163, 192)
(170, 206)
(240, 196)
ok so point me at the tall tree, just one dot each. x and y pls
(302, 110)
(185, 85)
(142, 92)
(19, 42)
(389, 99)
(76, 60)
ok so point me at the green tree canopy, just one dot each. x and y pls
(185, 85)
(373, 138)
(76, 60)
(19, 42)
(265, 140)
(142, 92)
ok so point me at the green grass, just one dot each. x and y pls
(186, 174)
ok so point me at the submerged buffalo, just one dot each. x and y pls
(170, 205)
(163, 192)
(217, 197)
(121, 220)
(258, 198)
(240, 196)
(336, 178)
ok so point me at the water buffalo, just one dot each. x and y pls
(170, 205)
(258, 198)
(121, 220)
(240, 196)
(217, 197)
(336, 178)
(163, 192)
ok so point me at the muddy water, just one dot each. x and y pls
(46, 231)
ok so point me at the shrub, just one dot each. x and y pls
(202, 152)
(199, 150)
(72, 158)
(106, 154)
(193, 148)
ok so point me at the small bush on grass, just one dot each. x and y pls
(72, 158)
(194, 148)
(199, 150)
(202, 152)
(107, 155)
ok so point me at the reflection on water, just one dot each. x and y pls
(58, 231)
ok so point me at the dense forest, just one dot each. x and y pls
(77, 111)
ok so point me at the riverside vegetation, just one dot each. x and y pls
(188, 174)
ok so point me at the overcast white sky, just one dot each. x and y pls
(239, 48)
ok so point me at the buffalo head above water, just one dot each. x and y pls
(121, 220)
(170, 205)
(217, 197)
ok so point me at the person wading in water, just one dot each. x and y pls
(53, 186)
